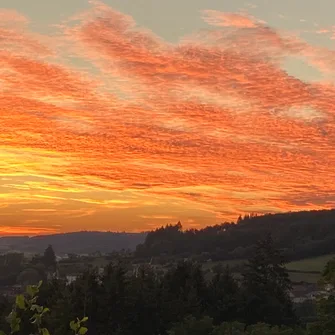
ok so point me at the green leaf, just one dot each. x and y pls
(15, 328)
(29, 290)
(39, 284)
(20, 302)
(45, 331)
(15, 324)
(37, 308)
(2, 332)
(34, 307)
(73, 325)
(45, 310)
(10, 316)
(84, 319)
(36, 319)
(32, 290)
(33, 300)
(82, 331)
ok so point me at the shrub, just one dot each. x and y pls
(26, 304)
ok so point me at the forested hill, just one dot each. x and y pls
(297, 234)
(78, 242)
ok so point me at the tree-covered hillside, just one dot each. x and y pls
(297, 234)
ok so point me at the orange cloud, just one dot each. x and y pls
(220, 19)
(203, 130)
(29, 231)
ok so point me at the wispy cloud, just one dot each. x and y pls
(214, 124)
(238, 20)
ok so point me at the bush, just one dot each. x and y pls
(26, 306)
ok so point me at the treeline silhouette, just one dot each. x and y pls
(297, 234)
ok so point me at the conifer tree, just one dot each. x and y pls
(49, 258)
(266, 286)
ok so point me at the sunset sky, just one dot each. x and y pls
(131, 114)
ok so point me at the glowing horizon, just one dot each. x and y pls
(106, 125)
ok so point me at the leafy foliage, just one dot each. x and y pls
(26, 305)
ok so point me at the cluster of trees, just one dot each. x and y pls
(298, 235)
(206, 326)
(180, 301)
(10, 267)
(27, 313)
(16, 269)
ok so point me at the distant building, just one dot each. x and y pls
(329, 287)
(71, 279)
(317, 294)
(307, 292)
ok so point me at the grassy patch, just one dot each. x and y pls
(310, 264)
(305, 266)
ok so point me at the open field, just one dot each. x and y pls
(310, 264)
(304, 266)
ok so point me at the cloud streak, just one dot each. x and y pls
(203, 130)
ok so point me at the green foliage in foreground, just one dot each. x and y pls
(26, 306)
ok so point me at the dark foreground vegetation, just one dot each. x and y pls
(178, 301)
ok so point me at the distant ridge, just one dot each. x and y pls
(299, 234)
(82, 242)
